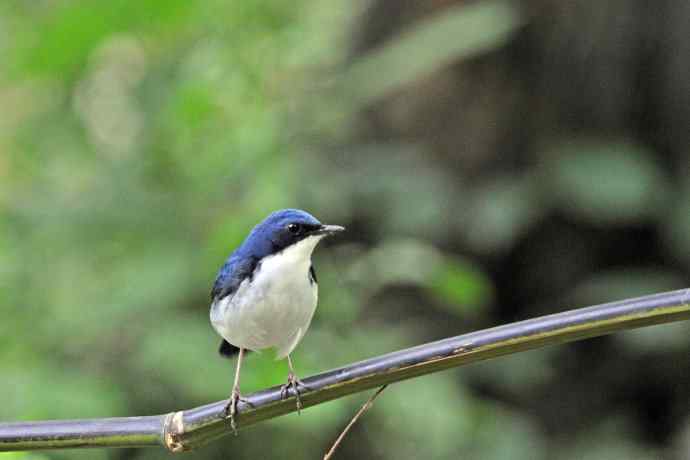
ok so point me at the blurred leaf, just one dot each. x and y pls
(431, 417)
(340, 302)
(24, 456)
(456, 282)
(610, 285)
(519, 374)
(451, 34)
(408, 414)
(326, 346)
(596, 443)
(404, 261)
(501, 433)
(606, 182)
(462, 286)
(68, 34)
(43, 390)
(500, 212)
(677, 226)
(406, 196)
(656, 339)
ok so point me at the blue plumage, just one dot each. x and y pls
(267, 238)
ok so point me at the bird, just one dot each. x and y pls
(266, 292)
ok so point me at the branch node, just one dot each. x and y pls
(173, 429)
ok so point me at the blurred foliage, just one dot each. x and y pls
(482, 179)
(583, 181)
(474, 28)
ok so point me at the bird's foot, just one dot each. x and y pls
(294, 383)
(231, 408)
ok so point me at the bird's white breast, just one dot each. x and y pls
(274, 307)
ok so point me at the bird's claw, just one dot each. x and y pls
(231, 408)
(293, 382)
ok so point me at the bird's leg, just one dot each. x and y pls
(235, 396)
(292, 382)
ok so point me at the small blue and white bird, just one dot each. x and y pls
(266, 292)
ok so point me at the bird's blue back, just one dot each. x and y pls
(267, 238)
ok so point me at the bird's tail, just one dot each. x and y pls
(228, 350)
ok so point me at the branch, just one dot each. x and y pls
(186, 430)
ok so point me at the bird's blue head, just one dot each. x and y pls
(284, 228)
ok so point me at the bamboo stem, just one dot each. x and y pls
(186, 430)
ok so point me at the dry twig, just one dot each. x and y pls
(367, 405)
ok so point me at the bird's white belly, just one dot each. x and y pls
(273, 309)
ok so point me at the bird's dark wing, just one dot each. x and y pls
(231, 275)
(312, 274)
(229, 278)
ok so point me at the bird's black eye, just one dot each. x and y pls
(294, 228)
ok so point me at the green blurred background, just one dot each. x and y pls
(492, 160)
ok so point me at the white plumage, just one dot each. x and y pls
(274, 307)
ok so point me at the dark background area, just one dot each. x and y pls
(492, 161)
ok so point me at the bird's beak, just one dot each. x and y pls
(328, 230)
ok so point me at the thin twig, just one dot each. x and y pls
(186, 430)
(367, 405)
